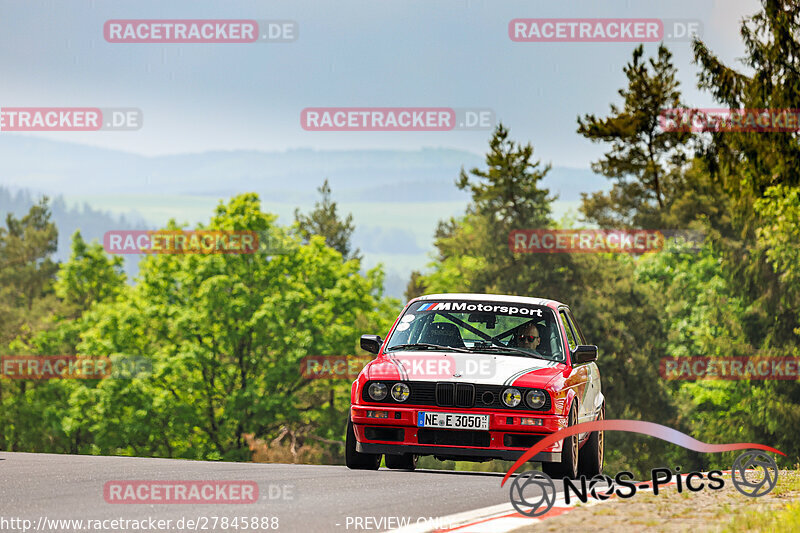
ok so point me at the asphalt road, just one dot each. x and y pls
(303, 498)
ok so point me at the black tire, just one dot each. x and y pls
(356, 460)
(568, 466)
(407, 461)
(591, 455)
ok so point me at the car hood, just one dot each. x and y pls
(485, 369)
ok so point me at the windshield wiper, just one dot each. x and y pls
(427, 345)
(509, 349)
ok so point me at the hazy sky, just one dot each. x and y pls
(450, 53)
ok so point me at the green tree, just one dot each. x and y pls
(325, 221)
(25, 248)
(624, 319)
(415, 286)
(89, 276)
(772, 55)
(226, 334)
(26, 297)
(705, 316)
(474, 252)
(644, 161)
(508, 191)
(747, 164)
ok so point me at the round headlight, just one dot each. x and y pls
(512, 397)
(377, 391)
(535, 399)
(400, 392)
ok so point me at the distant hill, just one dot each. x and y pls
(291, 176)
(396, 197)
(93, 223)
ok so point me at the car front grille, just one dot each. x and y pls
(455, 394)
(445, 394)
(465, 395)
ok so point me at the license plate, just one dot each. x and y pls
(452, 421)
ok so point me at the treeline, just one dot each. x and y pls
(225, 334)
(91, 222)
(738, 296)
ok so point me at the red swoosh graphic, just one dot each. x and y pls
(636, 426)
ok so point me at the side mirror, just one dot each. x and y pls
(584, 353)
(371, 343)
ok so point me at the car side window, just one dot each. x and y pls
(570, 336)
(576, 327)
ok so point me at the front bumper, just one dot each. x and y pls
(453, 451)
(507, 438)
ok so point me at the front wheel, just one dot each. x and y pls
(354, 459)
(407, 461)
(591, 456)
(568, 466)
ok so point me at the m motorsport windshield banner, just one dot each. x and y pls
(469, 307)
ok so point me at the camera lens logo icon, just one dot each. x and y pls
(756, 484)
(533, 493)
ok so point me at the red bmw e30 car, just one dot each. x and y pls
(477, 377)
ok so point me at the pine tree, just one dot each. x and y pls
(644, 161)
(508, 192)
(507, 195)
(773, 53)
(26, 270)
(324, 221)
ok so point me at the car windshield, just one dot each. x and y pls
(482, 327)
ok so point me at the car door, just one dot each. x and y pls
(579, 377)
(594, 396)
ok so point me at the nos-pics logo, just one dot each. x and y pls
(533, 493)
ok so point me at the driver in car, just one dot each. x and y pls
(527, 336)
